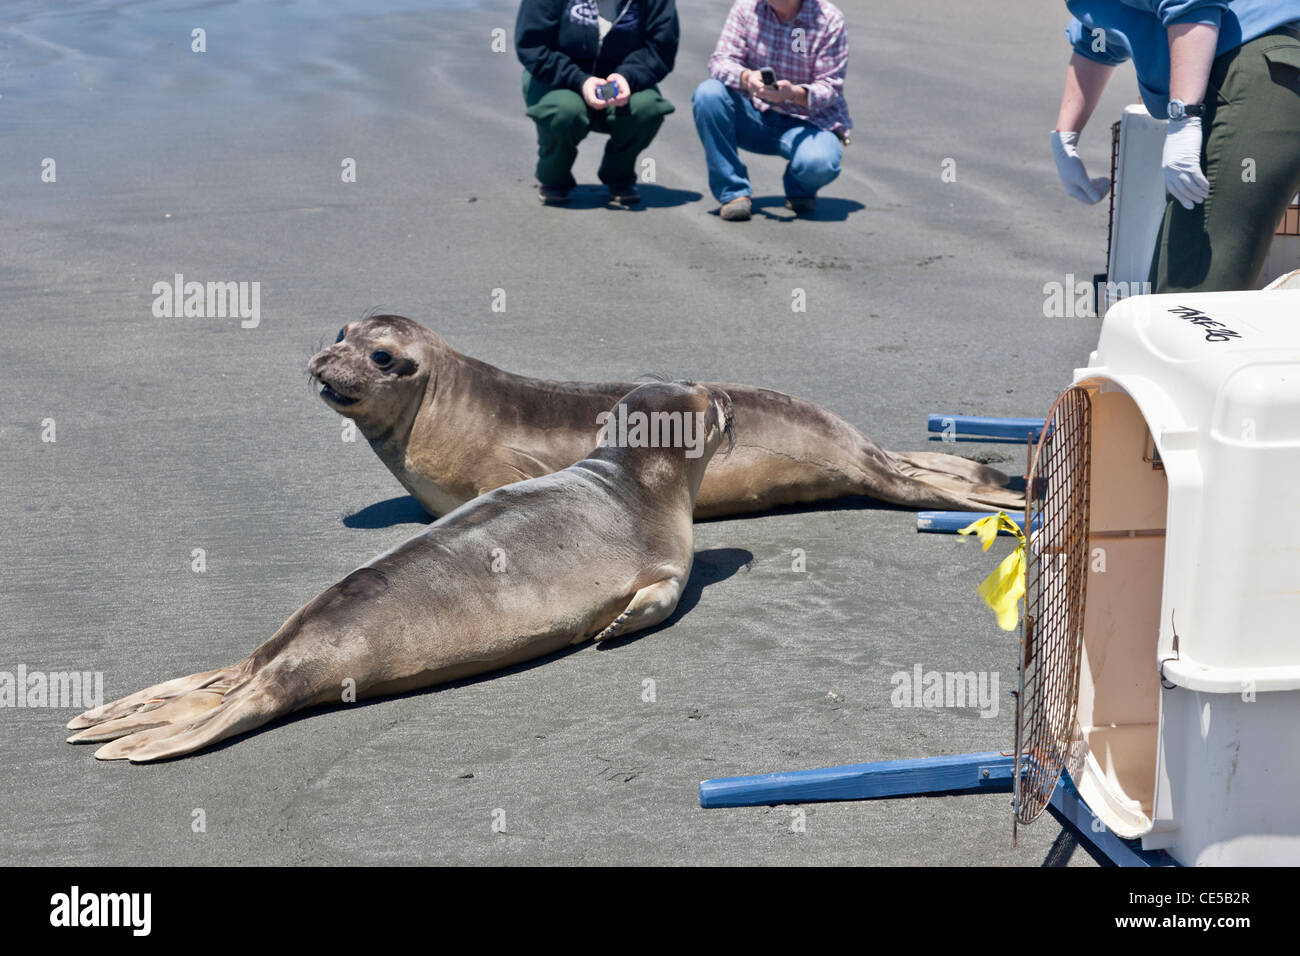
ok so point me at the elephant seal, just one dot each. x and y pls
(600, 548)
(451, 427)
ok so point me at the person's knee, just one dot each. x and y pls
(647, 107)
(817, 160)
(711, 96)
(562, 111)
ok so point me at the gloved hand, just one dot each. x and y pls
(1072, 172)
(1182, 162)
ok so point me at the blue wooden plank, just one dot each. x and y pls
(959, 426)
(950, 522)
(1069, 808)
(989, 771)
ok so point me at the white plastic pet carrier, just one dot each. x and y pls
(1161, 650)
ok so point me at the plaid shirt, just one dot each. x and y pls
(812, 51)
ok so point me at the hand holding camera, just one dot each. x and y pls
(764, 84)
(603, 92)
(756, 81)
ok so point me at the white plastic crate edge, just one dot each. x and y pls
(1139, 203)
(1235, 396)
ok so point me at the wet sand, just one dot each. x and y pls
(177, 434)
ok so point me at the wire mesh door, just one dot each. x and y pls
(1056, 577)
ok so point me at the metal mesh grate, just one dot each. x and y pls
(1056, 570)
(1114, 184)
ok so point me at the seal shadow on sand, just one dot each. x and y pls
(842, 503)
(406, 510)
(711, 566)
(384, 514)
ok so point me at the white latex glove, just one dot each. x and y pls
(1072, 171)
(1182, 162)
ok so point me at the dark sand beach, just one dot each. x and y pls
(178, 434)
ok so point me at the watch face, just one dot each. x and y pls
(1176, 111)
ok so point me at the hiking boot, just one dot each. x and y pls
(735, 210)
(553, 195)
(801, 205)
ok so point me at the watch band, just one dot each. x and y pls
(1177, 109)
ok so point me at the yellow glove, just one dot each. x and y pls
(1003, 589)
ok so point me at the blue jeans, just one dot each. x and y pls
(728, 122)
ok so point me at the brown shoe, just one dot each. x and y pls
(736, 210)
(801, 205)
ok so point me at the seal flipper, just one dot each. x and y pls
(958, 482)
(648, 607)
(184, 709)
(153, 697)
(176, 717)
(239, 711)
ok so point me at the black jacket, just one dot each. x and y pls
(557, 41)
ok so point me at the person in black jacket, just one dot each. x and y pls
(570, 49)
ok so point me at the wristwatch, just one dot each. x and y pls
(1180, 110)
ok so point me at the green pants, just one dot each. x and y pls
(563, 120)
(1251, 157)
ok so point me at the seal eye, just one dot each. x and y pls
(340, 338)
(381, 358)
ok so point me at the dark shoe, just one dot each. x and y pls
(735, 210)
(624, 194)
(553, 195)
(801, 205)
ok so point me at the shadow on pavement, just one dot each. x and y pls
(652, 197)
(385, 514)
(828, 209)
(710, 567)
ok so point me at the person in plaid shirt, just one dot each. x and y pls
(801, 115)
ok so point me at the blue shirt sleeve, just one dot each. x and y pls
(1098, 43)
(1170, 12)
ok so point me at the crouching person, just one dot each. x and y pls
(594, 64)
(776, 87)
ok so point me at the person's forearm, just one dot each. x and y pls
(1085, 81)
(1191, 55)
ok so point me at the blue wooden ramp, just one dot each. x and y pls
(982, 428)
(989, 771)
(863, 781)
(950, 522)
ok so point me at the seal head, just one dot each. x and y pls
(376, 373)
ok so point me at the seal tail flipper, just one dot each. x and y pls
(197, 721)
(185, 709)
(954, 482)
(152, 698)
(175, 717)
